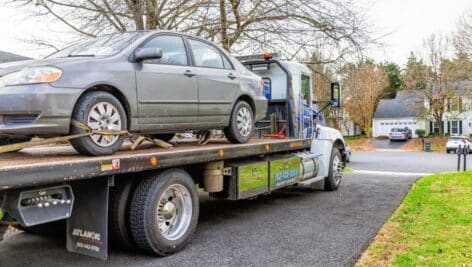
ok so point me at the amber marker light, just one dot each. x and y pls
(267, 56)
(153, 161)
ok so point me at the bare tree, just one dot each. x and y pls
(439, 91)
(463, 36)
(363, 88)
(289, 26)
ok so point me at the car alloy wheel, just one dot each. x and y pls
(244, 121)
(104, 116)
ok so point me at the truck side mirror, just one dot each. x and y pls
(335, 95)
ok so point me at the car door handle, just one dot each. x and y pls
(232, 76)
(189, 73)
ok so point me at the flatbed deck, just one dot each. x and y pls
(49, 165)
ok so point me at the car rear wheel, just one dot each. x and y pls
(99, 111)
(241, 123)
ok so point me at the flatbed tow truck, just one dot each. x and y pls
(148, 198)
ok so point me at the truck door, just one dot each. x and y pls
(167, 87)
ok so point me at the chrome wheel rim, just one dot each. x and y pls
(174, 212)
(244, 121)
(104, 116)
(337, 170)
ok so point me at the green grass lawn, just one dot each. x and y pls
(347, 170)
(432, 227)
(350, 139)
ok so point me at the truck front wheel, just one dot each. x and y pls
(335, 175)
(164, 212)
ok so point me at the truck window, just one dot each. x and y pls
(306, 87)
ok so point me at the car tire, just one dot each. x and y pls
(163, 193)
(333, 181)
(97, 102)
(241, 125)
(120, 199)
(164, 137)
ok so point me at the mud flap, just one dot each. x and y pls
(87, 228)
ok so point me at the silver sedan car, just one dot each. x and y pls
(149, 82)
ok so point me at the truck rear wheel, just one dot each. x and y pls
(120, 198)
(164, 212)
(336, 165)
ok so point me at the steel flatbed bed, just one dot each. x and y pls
(50, 165)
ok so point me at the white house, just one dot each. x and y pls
(458, 117)
(407, 107)
(400, 112)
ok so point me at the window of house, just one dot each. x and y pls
(455, 104)
(173, 50)
(454, 127)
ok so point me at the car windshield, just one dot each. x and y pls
(101, 46)
(398, 130)
(456, 138)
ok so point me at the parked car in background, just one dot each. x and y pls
(454, 142)
(400, 134)
(149, 82)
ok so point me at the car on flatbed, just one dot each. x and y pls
(148, 82)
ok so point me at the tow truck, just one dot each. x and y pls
(148, 199)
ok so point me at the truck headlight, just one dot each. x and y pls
(31, 75)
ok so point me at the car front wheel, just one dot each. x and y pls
(241, 124)
(99, 111)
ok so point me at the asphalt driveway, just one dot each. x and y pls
(298, 228)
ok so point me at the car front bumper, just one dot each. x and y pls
(37, 109)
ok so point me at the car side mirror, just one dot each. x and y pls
(335, 95)
(147, 53)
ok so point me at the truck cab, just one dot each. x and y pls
(288, 88)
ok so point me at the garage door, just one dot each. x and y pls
(383, 127)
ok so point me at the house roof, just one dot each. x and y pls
(406, 104)
(8, 57)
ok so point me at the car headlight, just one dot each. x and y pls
(31, 75)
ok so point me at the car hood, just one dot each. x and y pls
(6, 68)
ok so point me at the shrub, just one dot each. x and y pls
(420, 132)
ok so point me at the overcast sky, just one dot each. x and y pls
(407, 21)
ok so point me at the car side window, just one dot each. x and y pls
(206, 55)
(226, 63)
(173, 50)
